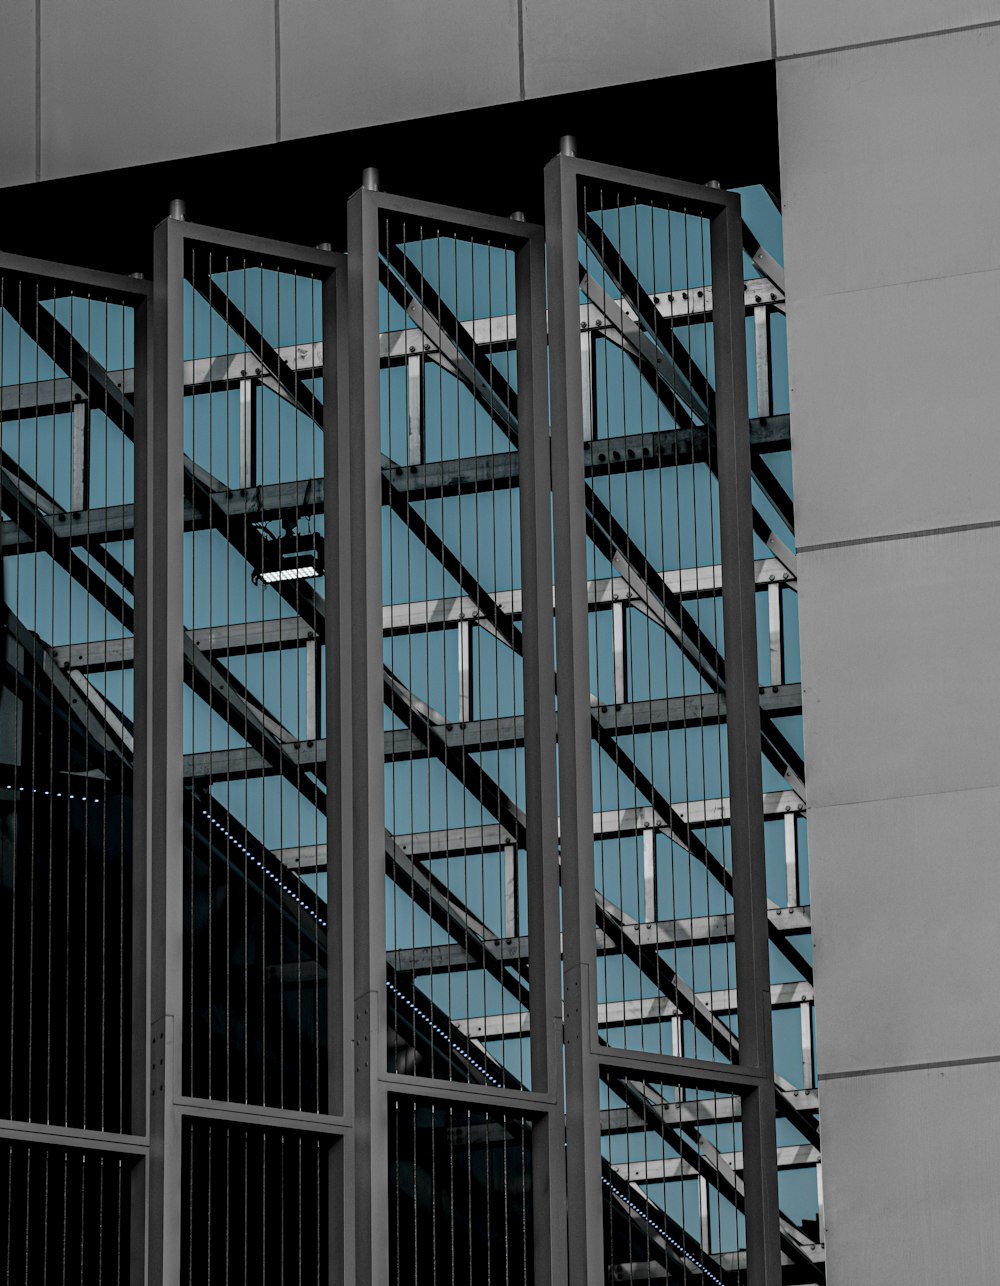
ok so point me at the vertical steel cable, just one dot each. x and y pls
(49, 814)
(669, 647)
(686, 731)
(430, 639)
(387, 582)
(302, 731)
(120, 770)
(707, 278)
(515, 929)
(593, 620)
(702, 735)
(15, 774)
(262, 968)
(33, 773)
(514, 585)
(460, 525)
(69, 935)
(212, 696)
(650, 884)
(126, 805)
(628, 694)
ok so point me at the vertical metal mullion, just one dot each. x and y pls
(587, 382)
(248, 430)
(805, 1025)
(464, 671)
(311, 729)
(415, 408)
(339, 719)
(791, 860)
(359, 786)
(80, 458)
(160, 535)
(619, 651)
(762, 362)
(548, 1149)
(583, 1118)
(774, 632)
(649, 875)
(743, 724)
(142, 778)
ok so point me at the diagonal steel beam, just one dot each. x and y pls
(666, 363)
(411, 290)
(197, 271)
(23, 502)
(69, 355)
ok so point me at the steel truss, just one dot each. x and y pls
(174, 495)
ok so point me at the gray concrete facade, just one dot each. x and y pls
(98, 86)
(888, 182)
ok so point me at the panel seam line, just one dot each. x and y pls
(910, 1067)
(900, 535)
(889, 40)
(277, 70)
(38, 90)
(520, 49)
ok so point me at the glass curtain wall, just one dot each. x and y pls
(255, 799)
(259, 867)
(70, 883)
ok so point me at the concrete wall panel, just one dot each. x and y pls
(889, 182)
(887, 162)
(347, 65)
(127, 84)
(17, 92)
(894, 408)
(899, 653)
(912, 1177)
(807, 26)
(579, 44)
(122, 84)
(904, 898)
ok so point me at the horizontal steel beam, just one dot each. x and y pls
(205, 374)
(791, 1157)
(250, 1114)
(65, 1136)
(489, 838)
(492, 734)
(423, 481)
(617, 1120)
(694, 932)
(412, 617)
(627, 1013)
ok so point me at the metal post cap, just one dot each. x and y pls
(567, 145)
(369, 178)
(178, 210)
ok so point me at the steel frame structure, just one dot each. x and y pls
(173, 495)
(753, 1076)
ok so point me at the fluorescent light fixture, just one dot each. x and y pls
(288, 557)
(306, 572)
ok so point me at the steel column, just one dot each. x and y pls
(583, 1118)
(359, 785)
(743, 725)
(373, 1084)
(548, 1151)
(160, 520)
